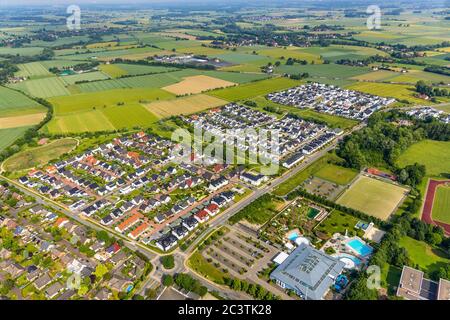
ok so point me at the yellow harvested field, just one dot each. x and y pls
(186, 105)
(21, 121)
(197, 84)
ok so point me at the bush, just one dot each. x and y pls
(168, 262)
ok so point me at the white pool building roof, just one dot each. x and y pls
(308, 271)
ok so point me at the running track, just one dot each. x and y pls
(428, 205)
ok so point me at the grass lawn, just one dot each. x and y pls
(40, 155)
(435, 155)
(427, 257)
(374, 197)
(307, 114)
(441, 204)
(339, 222)
(301, 176)
(390, 277)
(199, 264)
(336, 174)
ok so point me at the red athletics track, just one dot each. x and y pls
(428, 205)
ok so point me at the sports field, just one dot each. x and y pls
(197, 84)
(254, 89)
(435, 155)
(187, 105)
(20, 121)
(336, 174)
(441, 204)
(372, 196)
(40, 155)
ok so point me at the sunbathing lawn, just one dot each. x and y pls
(425, 256)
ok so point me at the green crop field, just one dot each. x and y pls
(82, 121)
(118, 70)
(397, 91)
(435, 155)
(372, 196)
(336, 174)
(43, 88)
(129, 116)
(40, 155)
(30, 51)
(291, 52)
(33, 70)
(330, 71)
(88, 76)
(441, 204)
(8, 136)
(13, 103)
(87, 101)
(427, 257)
(254, 89)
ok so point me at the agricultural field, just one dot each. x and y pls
(441, 204)
(121, 69)
(43, 88)
(40, 155)
(197, 84)
(32, 70)
(374, 197)
(254, 89)
(397, 91)
(435, 155)
(84, 77)
(327, 71)
(86, 101)
(20, 121)
(8, 136)
(187, 105)
(13, 103)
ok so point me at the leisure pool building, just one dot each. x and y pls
(308, 271)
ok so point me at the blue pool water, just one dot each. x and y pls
(359, 247)
(293, 236)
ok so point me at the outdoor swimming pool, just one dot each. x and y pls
(293, 236)
(351, 262)
(360, 247)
